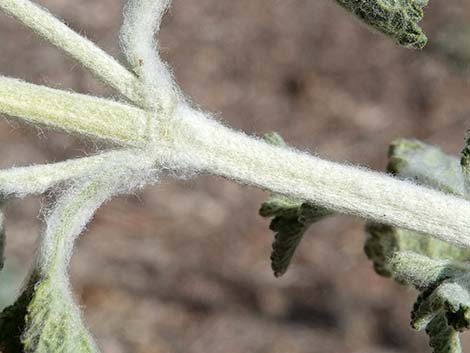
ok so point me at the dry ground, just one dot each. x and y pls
(184, 266)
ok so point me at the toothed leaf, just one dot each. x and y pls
(396, 18)
(445, 286)
(291, 219)
(452, 297)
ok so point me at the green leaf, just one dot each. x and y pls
(13, 321)
(452, 297)
(465, 163)
(384, 241)
(45, 318)
(438, 269)
(425, 273)
(443, 307)
(442, 338)
(46, 314)
(444, 286)
(396, 18)
(291, 219)
(426, 165)
(53, 322)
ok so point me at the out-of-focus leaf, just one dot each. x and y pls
(426, 165)
(444, 286)
(443, 338)
(438, 269)
(396, 18)
(452, 43)
(384, 241)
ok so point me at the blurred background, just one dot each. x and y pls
(184, 266)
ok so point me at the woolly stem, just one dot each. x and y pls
(72, 112)
(115, 173)
(424, 272)
(53, 322)
(22, 181)
(102, 65)
(207, 145)
(142, 19)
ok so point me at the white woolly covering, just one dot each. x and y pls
(202, 144)
(53, 321)
(142, 19)
(118, 173)
(101, 64)
(74, 113)
(188, 139)
(423, 272)
(23, 181)
(169, 134)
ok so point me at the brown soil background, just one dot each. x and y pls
(184, 267)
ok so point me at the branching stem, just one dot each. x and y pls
(74, 113)
(23, 181)
(101, 64)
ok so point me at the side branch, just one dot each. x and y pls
(346, 189)
(72, 112)
(37, 179)
(102, 65)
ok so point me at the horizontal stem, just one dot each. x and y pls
(37, 179)
(102, 65)
(346, 189)
(191, 140)
(72, 112)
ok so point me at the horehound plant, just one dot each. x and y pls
(420, 229)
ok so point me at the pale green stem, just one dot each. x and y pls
(142, 19)
(204, 144)
(22, 181)
(102, 65)
(53, 322)
(201, 143)
(424, 272)
(74, 113)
